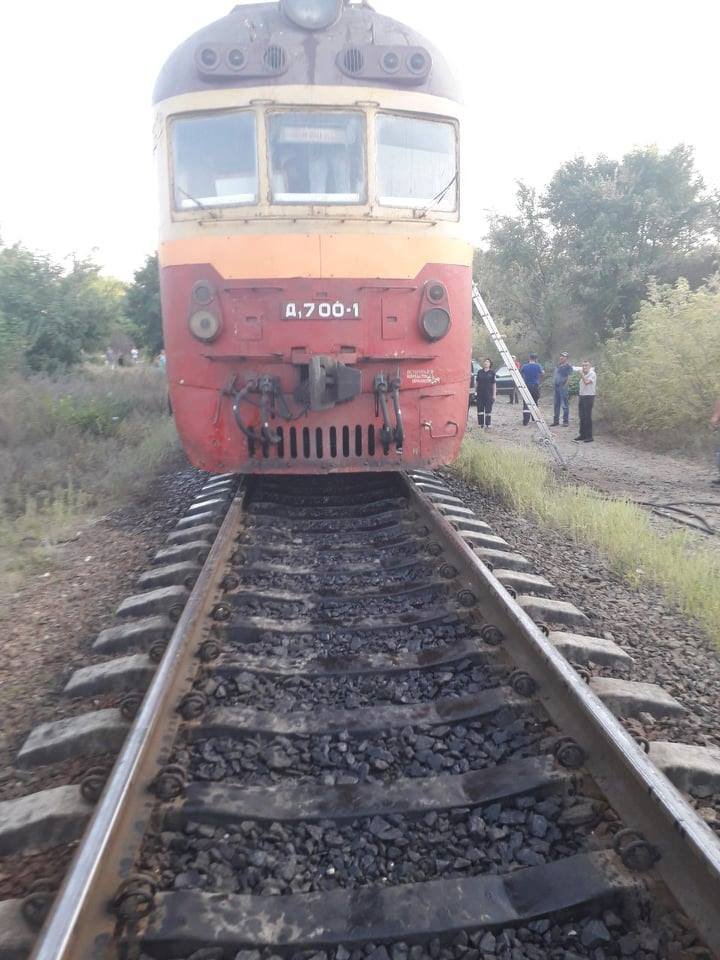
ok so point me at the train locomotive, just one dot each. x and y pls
(315, 270)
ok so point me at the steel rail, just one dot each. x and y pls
(67, 933)
(646, 800)
(642, 795)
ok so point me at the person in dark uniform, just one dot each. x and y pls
(532, 373)
(486, 390)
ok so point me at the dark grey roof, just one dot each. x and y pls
(307, 57)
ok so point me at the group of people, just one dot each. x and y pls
(533, 374)
(586, 398)
(116, 358)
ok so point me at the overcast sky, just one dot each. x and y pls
(545, 80)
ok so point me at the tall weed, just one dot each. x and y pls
(621, 531)
(663, 378)
(71, 448)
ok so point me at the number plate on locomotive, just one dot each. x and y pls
(321, 310)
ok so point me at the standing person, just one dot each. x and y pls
(486, 391)
(161, 360)
(532, 373)
(563, 372)
(588, 389)
(715, 423)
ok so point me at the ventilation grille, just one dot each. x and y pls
(275, 58)
(353, 60)
(318, 443)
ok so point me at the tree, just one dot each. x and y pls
(573, 265)
(142, 306)
(11, 346)
(523, 278)
(617, 224)
(54, 315)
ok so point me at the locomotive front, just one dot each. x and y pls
(315, 273)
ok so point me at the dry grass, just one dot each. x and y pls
(72, 449)
(622, 532)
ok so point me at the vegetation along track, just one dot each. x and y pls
(357, 741)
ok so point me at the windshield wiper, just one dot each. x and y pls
(438, 198)
(213, 213)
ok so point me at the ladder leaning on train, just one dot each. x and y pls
(546, 436)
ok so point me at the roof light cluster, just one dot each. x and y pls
(401, 64)
(411, 65)
(218, 61)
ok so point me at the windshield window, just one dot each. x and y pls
(416, 163)
(317, 157)
(215, 160)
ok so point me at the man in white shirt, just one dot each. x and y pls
(588, 389)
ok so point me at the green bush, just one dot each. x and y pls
(663, 378)
(99, 416)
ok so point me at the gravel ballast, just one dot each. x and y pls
(381, 850)
(287, 694)
(340, 758)
(667, 647)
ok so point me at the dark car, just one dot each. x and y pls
(503, 380)
(474, 367)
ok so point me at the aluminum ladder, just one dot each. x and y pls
(546, 436)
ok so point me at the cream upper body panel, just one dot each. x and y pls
(263, 218)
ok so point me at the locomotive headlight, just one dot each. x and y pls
(435, 323)
(312, 14)
(235, 59)
(437, 292)
(209, 58)
(204, 325)
(418, 62)
(390, 62)
(203, 293)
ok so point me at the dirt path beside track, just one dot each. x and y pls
(614, 466)
(49, 623)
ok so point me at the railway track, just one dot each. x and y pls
(362, 737)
